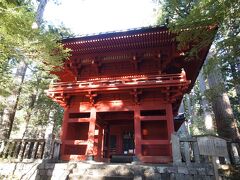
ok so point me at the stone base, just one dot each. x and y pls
(42, 170)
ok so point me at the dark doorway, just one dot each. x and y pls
(119, 134)
(128, 142)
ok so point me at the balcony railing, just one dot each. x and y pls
(140, 81)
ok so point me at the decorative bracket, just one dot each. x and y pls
(136, 59)
(91, 97)
(97, 64)
(136, 94)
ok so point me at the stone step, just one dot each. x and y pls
(113, 170)
(77, 177)
(121, 159)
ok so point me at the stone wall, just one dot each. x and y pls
(42, 170)
(37, 170)
(23, 170)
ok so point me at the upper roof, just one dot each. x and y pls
(140, 38)
(157, 39)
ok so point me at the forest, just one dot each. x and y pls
(30, 49)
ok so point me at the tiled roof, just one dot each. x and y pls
(140, 38)
(116, 31)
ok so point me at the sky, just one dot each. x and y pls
(94, 16)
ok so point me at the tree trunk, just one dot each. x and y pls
(238, 64)
(181, 108)
(5, 124)
(41, 7)
(1, 117)
(12, 101)
(39, 19)
(10, 111)
(207, 114)
(33, 98)
(225, 121)
(190, 112)
(27, 118)
(183, 130)
(235, 69)
(49, 134)
(50, 124)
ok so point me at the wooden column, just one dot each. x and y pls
(137, 131)
(64, 130)
(91, 132)
(170, 120)
(100, 140)
(170, 123)
(106, 143)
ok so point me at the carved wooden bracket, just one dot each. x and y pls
(136, 97)
(91, 97)
(136, 59)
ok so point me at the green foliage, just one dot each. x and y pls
(213, 93)
(41, 50)
(191, 20)
(196, 15)
(5, 79)
(20, 41)
(194, 113)
(198, 127)
(33, 88)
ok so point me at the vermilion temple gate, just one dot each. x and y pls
(120, 92)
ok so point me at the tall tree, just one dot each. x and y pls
(12, 101)
(39, 19)
(183, 130)
(195, 15)
(29, 45)
(225, 120)
(208, 119)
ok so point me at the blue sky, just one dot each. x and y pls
(94, 16)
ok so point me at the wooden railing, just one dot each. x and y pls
(31, 149)
(121, 81)
(186, 150)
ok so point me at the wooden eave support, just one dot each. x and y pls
(91, 97)
(136, 97)
(62, 98)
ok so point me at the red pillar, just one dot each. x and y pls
(170, 124)
(91, 133)
(64, 130)
(137, 131)
(100, 140)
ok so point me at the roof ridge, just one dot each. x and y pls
(115, 31)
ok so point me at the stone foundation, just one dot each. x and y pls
(42, 170)
(38, 170)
